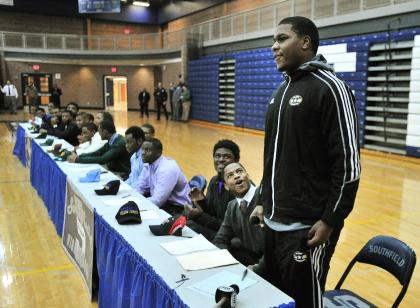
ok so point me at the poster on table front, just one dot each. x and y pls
(78, 232)
(28, 150)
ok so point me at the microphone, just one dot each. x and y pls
(226, 296)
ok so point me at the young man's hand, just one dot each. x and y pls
(258, 212)
(319, 233)
(196, 194)
(190, 212)
(72, 158)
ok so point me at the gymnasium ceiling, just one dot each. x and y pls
(159, 12)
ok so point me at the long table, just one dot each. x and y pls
(134, 270)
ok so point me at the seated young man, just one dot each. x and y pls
(162, 179)
(236, 221)
(89, 145)
(134, 138)
(70, 131)
(149, 130)
(113, 153)
(208, 212)
(45, 117)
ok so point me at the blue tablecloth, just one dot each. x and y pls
(19, 149)
(125, 278)
(50, 183)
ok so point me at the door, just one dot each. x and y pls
(115, 93)
(43, 83)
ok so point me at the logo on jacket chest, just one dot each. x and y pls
(295, 100)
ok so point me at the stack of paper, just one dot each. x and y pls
(209, 285)
(206, 259)
(197, 243)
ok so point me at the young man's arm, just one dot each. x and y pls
(102, 156)
(225, 233)
(166, 179)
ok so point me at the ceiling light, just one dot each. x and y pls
(143, 3)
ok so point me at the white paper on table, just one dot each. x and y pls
(197, 243)
(121, 201)
(224, 278)
(206, 259)
(149, 214)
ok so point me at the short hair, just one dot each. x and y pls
(107, 116)
(156, 143)
(150, 127)
(228, 144)
(40, 109)
(91, 127)
(74, 104)
(236, 162)
(137, 132)
(69, 112)
(303, 26)
(108, 126)
(88, 116)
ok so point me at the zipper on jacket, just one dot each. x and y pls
(275, 145)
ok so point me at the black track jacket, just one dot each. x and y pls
(311, 150)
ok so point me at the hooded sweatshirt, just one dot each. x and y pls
(311, 150)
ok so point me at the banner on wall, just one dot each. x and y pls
(6, 2)
(78, 233)
(99, 6)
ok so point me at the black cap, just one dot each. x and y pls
(47, 142)
(42, 136)
(111, 188)
(129, 213)
(170, 226)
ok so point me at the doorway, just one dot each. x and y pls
(43, 83)
(115, 93)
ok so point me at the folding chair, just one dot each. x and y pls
(386, 252)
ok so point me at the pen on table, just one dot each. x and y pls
(126, 196)
(244, 274)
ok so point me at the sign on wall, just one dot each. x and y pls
(78, 233)
(99, 6)
(6, 2)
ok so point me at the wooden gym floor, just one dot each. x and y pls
(35, 272)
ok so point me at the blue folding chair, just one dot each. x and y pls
(386, 252)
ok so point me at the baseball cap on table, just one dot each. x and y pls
(170, 226)
(42, 136)
(92, 176)
(110, 188)
(47, 142)
(129, 213)
(198, 181)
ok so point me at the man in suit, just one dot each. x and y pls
(236, 222)
(10, 96)
(113, 154)
(161, 96)
(144, 98)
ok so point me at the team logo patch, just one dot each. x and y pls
(295, 100)
(300, 256)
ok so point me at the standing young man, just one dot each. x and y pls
(144, 98)
(10, 96)
(311, 165)
(161, 96)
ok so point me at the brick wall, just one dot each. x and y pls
(85, 84)
(230, 7)
(31, 23)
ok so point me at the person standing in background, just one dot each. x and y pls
(144, 98)
(186, 103)
(176, 99)
(171, 101)
(161, 96)
(31, 93)
(55, 95)
(10, 96)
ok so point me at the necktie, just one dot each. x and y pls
(8, 90)
(243, 206)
